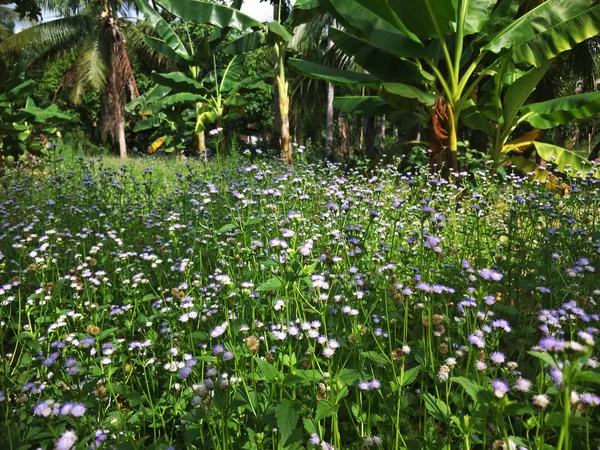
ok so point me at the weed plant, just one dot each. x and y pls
(308, 308)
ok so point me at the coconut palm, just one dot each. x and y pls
(97, 31)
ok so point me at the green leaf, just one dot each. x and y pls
(287, 414)
(478, 13)
(588, 376)
(334, 76)
(172, 100)
(226, 228)
(163, 48)
(471, 388)
(348, 376)
(436, 407)
(543, 356)
(267, 370)
(147, 124)
(561, 158)
(279, 30)
(418, 19)
(376, 357)
(325, 409)
(410, 375)
(363, 106)
(247, 43)
(179, 82)
(406, 91)
(163, 29)
(549, 29)
(272, 284)
(518, 409)
(210, 13)
(379, 25)
(376, 61)
(519, 91)
(562, 110)
(24, 88)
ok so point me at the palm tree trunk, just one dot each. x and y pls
(382, 135)
(343, 133)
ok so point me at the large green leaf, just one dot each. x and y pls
(334, 76)
(562, 110)
(502, 16)
(548, 30)
(287, 414)
(376, 30)
(172, 100)
(305, 10)
(280, 31)
(478, 14)
(561, 158)
(179, 82)
(376, 61)
(416, 16)
(157, 92)
(163, 29)
(247, 43)
(42, 115)
(23, 88)
(163, 48)
(362, 106)
(148, 124)
(407, 91)
(519, 91)
(210, 13)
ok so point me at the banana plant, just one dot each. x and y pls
(194, 61)
(274, 34)
(180, 106)
(449, 48)
(504, 108)
(24, 128)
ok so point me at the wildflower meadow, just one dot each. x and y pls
(270, 306)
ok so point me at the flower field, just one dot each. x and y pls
(296, 308)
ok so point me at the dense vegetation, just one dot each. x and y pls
(362, 224)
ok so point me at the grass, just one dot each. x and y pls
(165, 304)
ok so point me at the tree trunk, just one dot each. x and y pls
(343, 133)
(285, 140)
(396, 135)
(121, 138)
(382, 135)
(199, 143)
(369, 138)
(329, 122)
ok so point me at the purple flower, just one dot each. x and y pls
(502, 324)
(315, 439)
(551, 344)
(490, 275)
(67, 441)
(185, 372)
(477, 340)
(497, 357)
(500, 388)
(588, 398)
(556, 375)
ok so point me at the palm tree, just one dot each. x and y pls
(97, 31)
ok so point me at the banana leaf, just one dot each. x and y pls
(561, 158)
(404, 90)
(163, 29)
(416, 16)
(179, 82)
(210, 13)
(363, 18)
(363, 106)
(478, 14)
(247, 43)
(562, 110)
(24, 88)
(549, 29)
(334, 76)
(376, 61)
(170, 101)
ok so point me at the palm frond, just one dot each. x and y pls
(137, 47)
(311, 35)
(60, 32)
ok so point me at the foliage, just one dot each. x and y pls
(23, 126)
(454, 50)
(165, 303)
